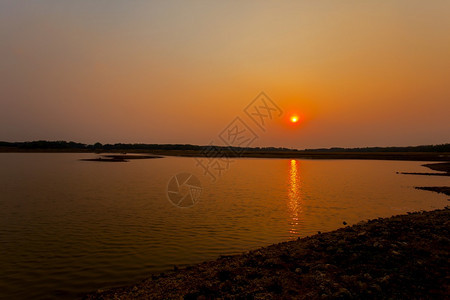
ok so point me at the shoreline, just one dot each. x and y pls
(438, 189)
(402, 156)
(404, 256)
(442, 167)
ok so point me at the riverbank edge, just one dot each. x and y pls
(404, 256)
(403, 156)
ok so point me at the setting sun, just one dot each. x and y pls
(184, 137)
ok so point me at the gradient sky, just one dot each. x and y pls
(359, 73)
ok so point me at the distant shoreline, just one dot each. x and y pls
(438, 152)
(405, 156)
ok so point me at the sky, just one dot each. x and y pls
(356, 73)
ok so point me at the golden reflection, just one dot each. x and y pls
(295, 203)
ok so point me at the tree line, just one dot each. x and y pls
(64, 145)
(48, 145)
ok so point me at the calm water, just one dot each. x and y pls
(68, 227)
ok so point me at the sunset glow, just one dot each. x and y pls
(140, 137)
(160, 72)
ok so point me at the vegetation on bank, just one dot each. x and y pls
(64, 146)
(422, 148)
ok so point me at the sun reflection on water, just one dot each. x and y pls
(295, 201)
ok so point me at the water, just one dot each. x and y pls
(69, 227)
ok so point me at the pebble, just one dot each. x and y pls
(324, 271)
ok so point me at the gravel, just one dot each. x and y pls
(402, 257)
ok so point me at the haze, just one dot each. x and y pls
(358, 73)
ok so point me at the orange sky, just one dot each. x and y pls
(358, 73)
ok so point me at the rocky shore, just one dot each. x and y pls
(402, 257)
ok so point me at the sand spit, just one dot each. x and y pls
(120, 158)
(438, 189)
(444, 168)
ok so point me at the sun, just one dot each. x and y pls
(294, 119)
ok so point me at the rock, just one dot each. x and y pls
(342, 293)
(377, 245)
(329, 267)
(362, 286)
(226, 286)
(412, 265)
(376, 287)
(385, 279)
